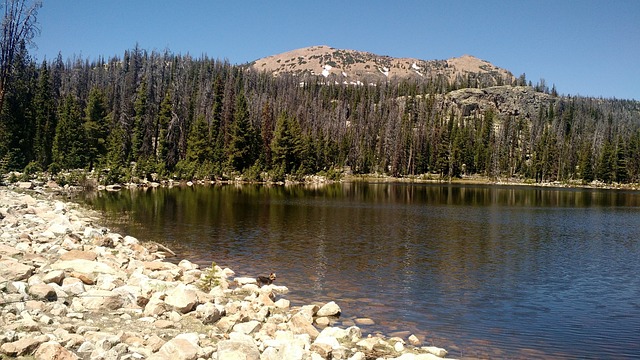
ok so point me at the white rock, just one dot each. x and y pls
(53, 350)
(440, 352)
(188, 265)
(182, 298)
(333, 332)
(329, 309)
(179, 349)
(130, 240)
(358, 356)
(84, 266)
(413, 340)
(245, 280)
(73, 286)
(209, 313)
(236, 350)
(191, 337)
(247, 328)
(101, 299)
(328, 340)
(54, 276)
(283, 304)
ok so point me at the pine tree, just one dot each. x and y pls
(69, 147)
(267, 132)
(242, 143)
(96, 126)
(17, 121)
(140, 110)
(621, 171)
(45, 117)
(199, 142)
(287, 144)
(586, 164)
(162, 123)
(607, 163)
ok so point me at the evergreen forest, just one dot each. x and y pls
(159, 115)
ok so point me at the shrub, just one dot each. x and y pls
(209, 278)
(54, 168)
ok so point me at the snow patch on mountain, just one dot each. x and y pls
(326, 70)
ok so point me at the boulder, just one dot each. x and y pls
(209, 313)
(43, 291)
(247, 328)
(322, 349)
(333, 333)
(155, 306)
(54, 276)
(238, 350)
(8, 250)
(283, 304)
(178, 349)
(83, 266)
(329, 309)
(53, 350)
(164, 324)
(14, 271)
(300, 324)
(159, 265)
(154, 342)
(439, 352)
(364, 321)
(72, 285)
(79, 255)
(322, 321)
(25, 185)
(241, 281)
(182, 298)
(24, 346)
(103, 241)
(87, 279)
(413, 340)
(101, 299)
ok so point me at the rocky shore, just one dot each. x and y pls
(71, 289)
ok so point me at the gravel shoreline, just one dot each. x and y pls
(71, 289)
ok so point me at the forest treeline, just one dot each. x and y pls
(148, 114)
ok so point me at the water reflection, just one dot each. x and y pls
(483, 271)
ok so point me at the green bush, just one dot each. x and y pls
(114, 175)
(277, 173)
(32, 168)
(54, 168)
(209, 278)
(253, 173)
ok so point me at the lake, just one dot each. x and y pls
(482, 271)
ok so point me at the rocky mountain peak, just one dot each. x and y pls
(360, 67)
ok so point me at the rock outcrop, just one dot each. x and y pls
(83, 292)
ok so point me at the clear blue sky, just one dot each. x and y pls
(584, 47)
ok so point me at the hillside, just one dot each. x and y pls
(357, 67)
(151, 115)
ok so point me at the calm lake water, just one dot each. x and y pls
(483, 271)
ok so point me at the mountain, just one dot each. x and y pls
(359, 67)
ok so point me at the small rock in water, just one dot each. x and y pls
(364, 321)
(413, 340)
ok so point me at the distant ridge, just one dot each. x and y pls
(360, 67)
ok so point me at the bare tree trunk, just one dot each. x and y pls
(19, 24)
